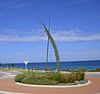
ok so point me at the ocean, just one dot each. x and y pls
(92, 64)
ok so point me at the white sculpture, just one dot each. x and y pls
(26, 62)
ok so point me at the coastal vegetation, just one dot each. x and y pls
(49, 78)
(38, 69)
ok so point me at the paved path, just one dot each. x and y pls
(8, 84)
(8, 74)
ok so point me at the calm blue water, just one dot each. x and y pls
(64, 65)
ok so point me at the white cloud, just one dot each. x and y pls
(76, 37)
(8, 35)
(24, 36)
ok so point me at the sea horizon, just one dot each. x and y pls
(87, 64)
(48, 61)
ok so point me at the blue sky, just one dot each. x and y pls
(75, 26)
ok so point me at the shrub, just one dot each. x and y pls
(38, 81)
(54, 76)
(28, 72)
(70, 78)
(82, 70)
(29, 80)
(97, 69)
(19, 77)
(49, 78)
(40, 75)
(62, 78)
(45, 82)
(80, 76)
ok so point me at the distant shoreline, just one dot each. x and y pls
(91, 65)
(50, 62)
